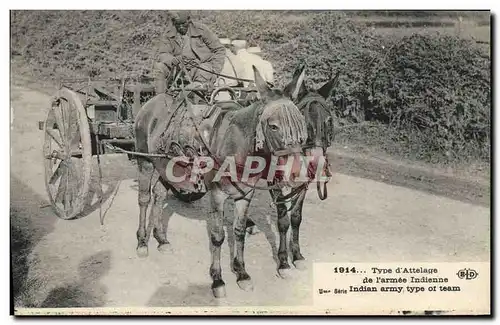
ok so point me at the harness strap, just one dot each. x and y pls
(300, 190)
(223, 75)
(232, 65)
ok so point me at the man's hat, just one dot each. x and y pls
(180, 16)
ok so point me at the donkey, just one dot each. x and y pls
(319, 119)
(269, 127)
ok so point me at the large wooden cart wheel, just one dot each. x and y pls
(67, 154)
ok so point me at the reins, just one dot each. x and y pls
(305, 106)
(223, 75)
(214, 130)
(276, 153)
(276, 200)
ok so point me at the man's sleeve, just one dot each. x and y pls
(218, 50)
(166, 54)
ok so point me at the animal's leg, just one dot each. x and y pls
(240, 223)
(216, 233)
(283, 225)
(156, 215)
(296, 219)
(146, 171)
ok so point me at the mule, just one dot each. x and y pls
(269, 127)
(319, 119)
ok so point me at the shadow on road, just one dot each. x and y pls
(86, 291)
(259, 212)
(30, 220)
(194, 295)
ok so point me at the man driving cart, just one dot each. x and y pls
(193, 46)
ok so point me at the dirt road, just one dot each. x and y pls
(81, 263)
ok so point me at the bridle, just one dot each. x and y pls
(304, 106)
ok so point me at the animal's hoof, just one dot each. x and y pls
(285, 273)
(165, 248)
(219, 292)
(245, 285)
(142, 251)
(253, 230)
(300, 264)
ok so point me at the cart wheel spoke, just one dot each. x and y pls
(74, 143)
(73, 130)
(60, 122)
(56, 137)
(70, 119)
(61, 189)
(68, 193)
(57, 173)
(75, 179)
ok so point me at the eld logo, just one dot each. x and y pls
(467, 274)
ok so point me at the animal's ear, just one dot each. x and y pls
(293, 89)
(262, 86)
(326, 90)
